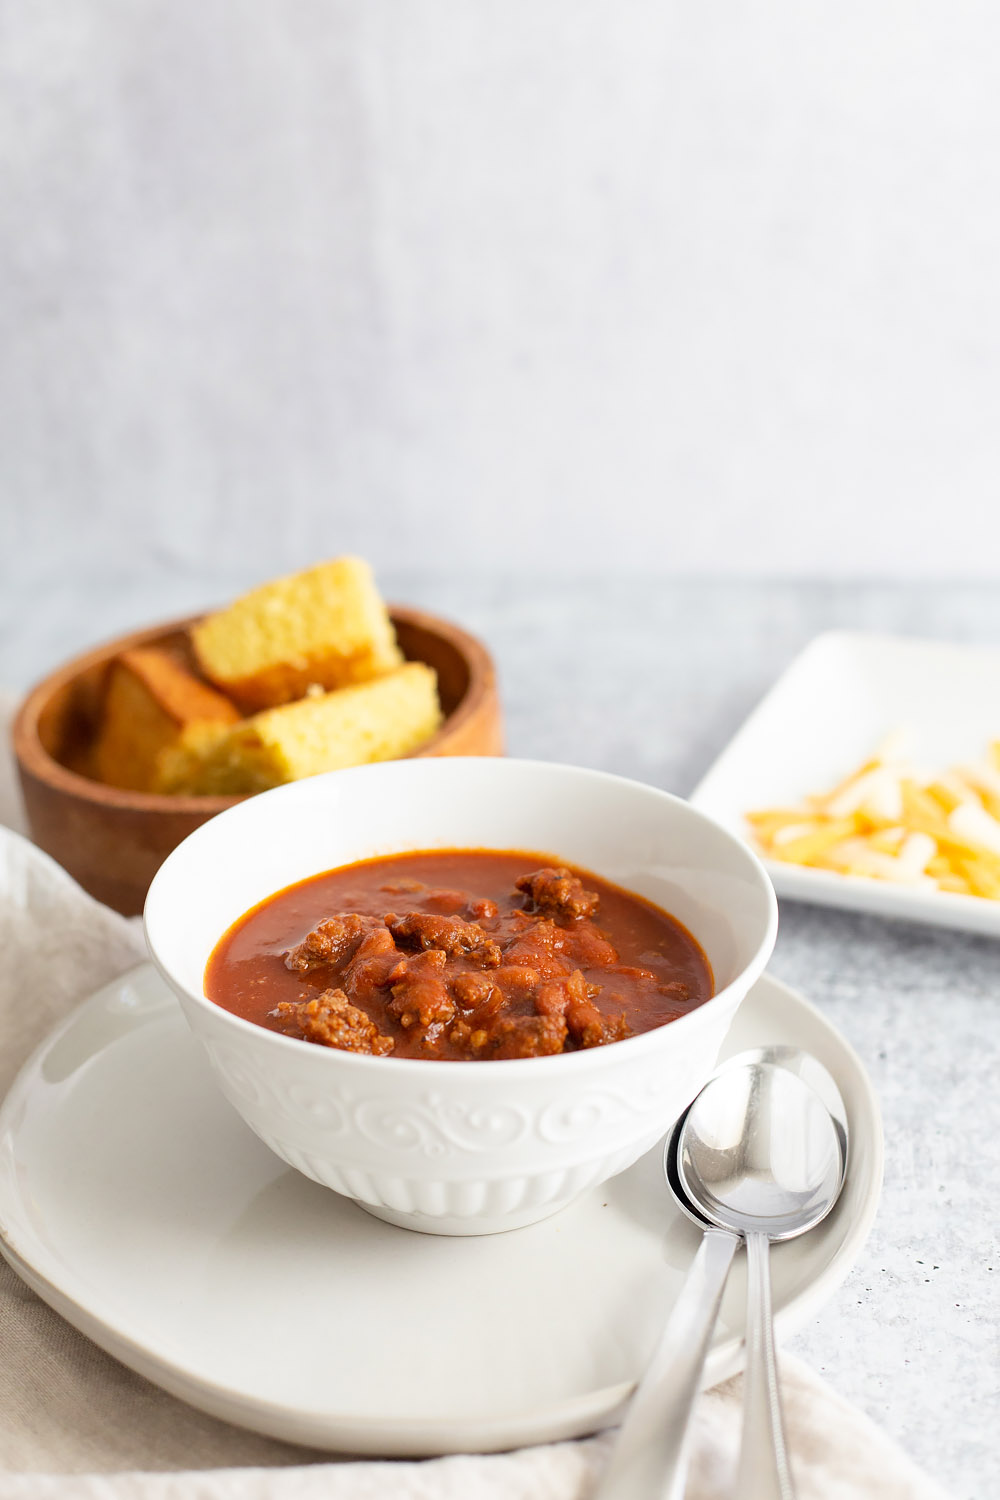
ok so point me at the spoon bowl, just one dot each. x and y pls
(807, 1067)
(759, 1152)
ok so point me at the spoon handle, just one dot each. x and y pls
(763, 1472)
(649, 1460)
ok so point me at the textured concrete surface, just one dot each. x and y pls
(650, 679)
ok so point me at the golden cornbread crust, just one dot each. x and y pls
(324, 627)
(153, 703)
(181, 695)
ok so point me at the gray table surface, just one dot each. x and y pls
(650, 677)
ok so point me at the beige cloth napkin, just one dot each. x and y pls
(74, 1422)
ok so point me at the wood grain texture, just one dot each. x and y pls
(112, 840)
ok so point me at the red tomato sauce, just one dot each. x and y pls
(458, 955)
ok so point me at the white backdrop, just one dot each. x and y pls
(521, 283)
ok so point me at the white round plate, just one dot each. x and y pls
(135, 1201)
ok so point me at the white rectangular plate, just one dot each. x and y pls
(824, 716)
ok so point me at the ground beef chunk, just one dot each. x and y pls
(517, 981)
(419, 994)
(589, 1028)
(332, 1021)
(540, 946)
(573, 1000)
(520, 1036)
(330, 942)
(453, 936)
(373, 962)
(483, 910)
(459, 1035)
(556, 995)
(558, 891)
(431, 961)
(477, 992)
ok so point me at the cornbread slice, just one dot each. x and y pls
(152, 704)
(377, 720)
(325, 627)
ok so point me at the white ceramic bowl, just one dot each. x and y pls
(462, 1147)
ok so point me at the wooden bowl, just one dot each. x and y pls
(113, 841)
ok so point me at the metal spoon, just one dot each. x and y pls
(806, 1067)
(762, 1156)
(649, 1460)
